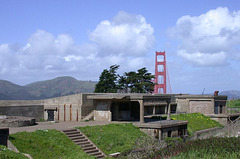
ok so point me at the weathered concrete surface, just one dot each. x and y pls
(200, 103)
(203, 106)
(66, 108)
(25, 108)
(102, 111)
(164, 128)
(17, 121)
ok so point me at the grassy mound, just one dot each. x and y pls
(113, 138)
(47, 144)
(5, 153)
(197, 121)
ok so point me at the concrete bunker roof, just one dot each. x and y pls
(218, 97)
(162, 124)
(130, 96)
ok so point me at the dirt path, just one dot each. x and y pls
(53, 125)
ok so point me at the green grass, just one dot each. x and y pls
(197, 121)
(113, 138)
(49, 144)
(5, 153)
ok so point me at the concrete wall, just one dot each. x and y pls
(25, 108)
(201, 106)
(200, 103)
(87, 105)
(183, 105)
(66, 108)
(102, 111)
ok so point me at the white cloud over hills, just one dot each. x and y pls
(209, 39)
(125, 41)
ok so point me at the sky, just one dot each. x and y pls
(45, 39)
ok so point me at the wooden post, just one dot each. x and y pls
(70, 112)
(77, 114)
(64, 112)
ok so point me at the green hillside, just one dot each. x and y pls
(57, 87)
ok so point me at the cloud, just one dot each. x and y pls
(46, 56)
(126, 34)
(206, 37)
(204, 59)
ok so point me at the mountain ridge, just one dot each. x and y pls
(59, 86)
(56, 87)
(232, 94)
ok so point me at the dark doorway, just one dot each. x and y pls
(50, 115)
(216, 107)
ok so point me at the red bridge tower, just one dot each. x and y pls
(160, 73)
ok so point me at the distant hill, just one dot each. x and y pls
(233, 94)
(45, 89)
(9, 91)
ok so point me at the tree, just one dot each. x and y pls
(107, 81)
(130, 82)
(144, 84)
(137, 82)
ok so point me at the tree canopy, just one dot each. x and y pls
(108, 81)
(129, 82)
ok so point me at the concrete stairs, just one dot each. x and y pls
(80, 139)
(89, 116)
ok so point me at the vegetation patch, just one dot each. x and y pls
(204, 148)
(113, 138)
(47, 144)
(216, 148)
(5, 153)
(233, 103)
(197, 121)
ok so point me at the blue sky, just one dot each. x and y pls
(41, 40)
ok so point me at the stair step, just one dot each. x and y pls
(73, 135)
(72, 132)
(87, 145)
(80, 140)
(99, 156)
(91, 151)
(83, 143)
(67, 130)
(95, 153)
(89, 148)
(77, 137)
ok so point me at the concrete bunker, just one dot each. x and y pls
(165, 128)
(129, 107)
(125, 111)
